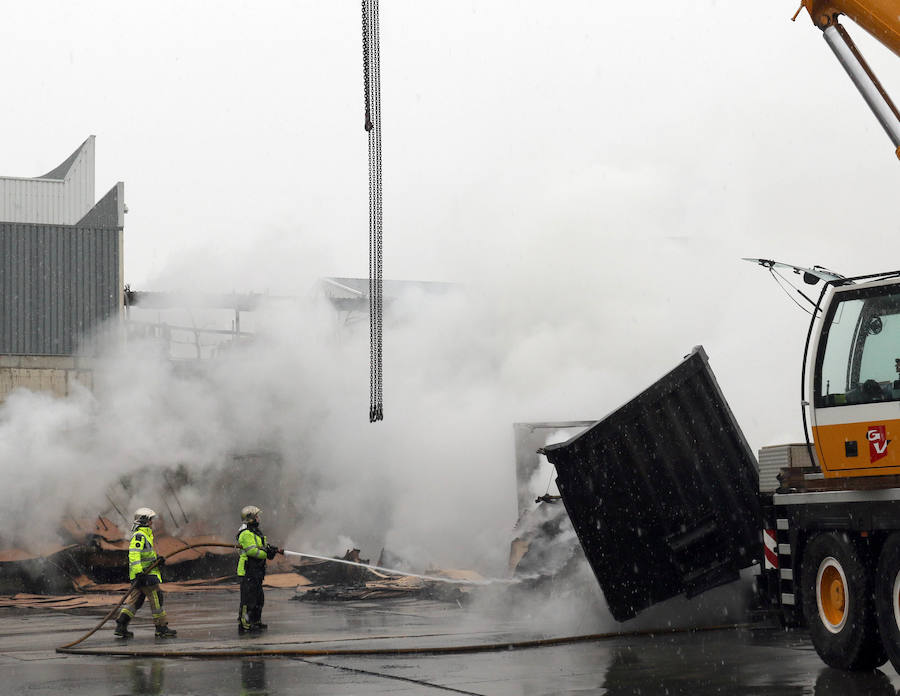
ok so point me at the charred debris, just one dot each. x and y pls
(92, 560)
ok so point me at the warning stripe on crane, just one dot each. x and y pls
(770, 549)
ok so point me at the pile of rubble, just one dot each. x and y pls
(94, 554)
(89, 568)
(332, 581)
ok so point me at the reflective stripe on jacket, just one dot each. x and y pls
(141, 553)
(253, 548)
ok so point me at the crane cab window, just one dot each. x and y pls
(859, 353)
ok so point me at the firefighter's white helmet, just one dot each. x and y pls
(142, 516)
(250, 513)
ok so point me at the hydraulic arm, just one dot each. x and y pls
(881, 18)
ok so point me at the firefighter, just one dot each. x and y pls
(144, 583)
(255, 551)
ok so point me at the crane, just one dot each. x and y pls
(666, 497)
(881, 19)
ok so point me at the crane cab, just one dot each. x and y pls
(854, 383)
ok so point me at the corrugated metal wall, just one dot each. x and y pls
(56, 284)
(62, 197)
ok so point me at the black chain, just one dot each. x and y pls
(369, 128)
(365, 39)
(372, 89)
(379, 396)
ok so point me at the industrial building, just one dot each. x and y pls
(61, 273)
(62, 277)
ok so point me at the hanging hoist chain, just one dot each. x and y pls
(372, 89)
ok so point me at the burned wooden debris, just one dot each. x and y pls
(335, 581)
(94, 553)
(92, 596)
(320, 572)
(88, 567)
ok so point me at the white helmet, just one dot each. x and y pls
(250, 513)
(142, 516)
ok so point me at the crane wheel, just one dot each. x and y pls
(838, 605)
(887, 597)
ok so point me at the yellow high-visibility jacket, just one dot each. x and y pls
(141, 553)
(253, 546)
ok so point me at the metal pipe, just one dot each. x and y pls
(866, 82)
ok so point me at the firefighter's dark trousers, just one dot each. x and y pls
(145, 589)
(252, 600)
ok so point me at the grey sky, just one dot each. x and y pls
(593, 171)
(503, 122)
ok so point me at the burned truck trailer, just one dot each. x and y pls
(663, 493)
(667, 499)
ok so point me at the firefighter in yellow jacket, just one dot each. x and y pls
(255, 551)
(144, 583)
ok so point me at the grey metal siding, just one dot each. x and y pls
(57, 283)
(61, 197)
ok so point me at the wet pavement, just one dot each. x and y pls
(731, 661)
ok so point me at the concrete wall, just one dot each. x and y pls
(57, 375)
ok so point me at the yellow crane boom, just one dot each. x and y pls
(881, 18)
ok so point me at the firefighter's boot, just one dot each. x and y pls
(122, 628)
(165, 632)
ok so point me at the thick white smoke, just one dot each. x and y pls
(281, 422)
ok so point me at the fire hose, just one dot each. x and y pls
(69, 648)
(362, 652)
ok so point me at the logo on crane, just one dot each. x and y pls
(878, 442)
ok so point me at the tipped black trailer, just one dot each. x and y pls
(663, 493)
(667, 499)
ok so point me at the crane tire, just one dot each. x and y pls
(838, 604)
(887, 597)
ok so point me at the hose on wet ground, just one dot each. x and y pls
(395, 651)
(69, 648)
